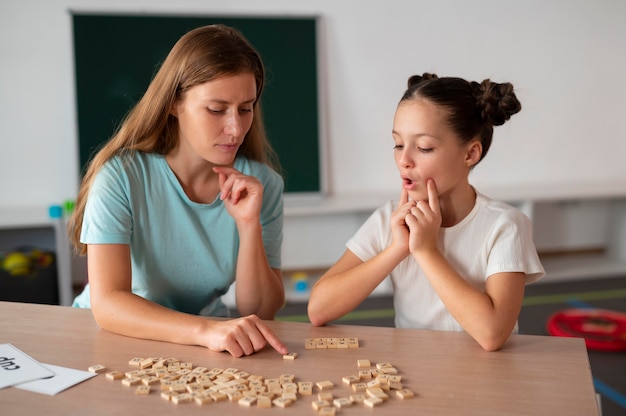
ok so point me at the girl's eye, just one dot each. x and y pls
(245, 110)
(215, 111)
(397, 147)
(425, 150)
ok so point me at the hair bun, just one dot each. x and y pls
(497, 102)
(418, 79)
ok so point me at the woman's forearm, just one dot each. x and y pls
(259, 288)
(127, 314)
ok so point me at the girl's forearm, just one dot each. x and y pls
(488, 319)
(347, 284)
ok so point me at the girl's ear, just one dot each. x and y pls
(474, 153)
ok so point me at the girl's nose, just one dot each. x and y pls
(405, 159)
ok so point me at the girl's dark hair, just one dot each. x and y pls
(473, 108)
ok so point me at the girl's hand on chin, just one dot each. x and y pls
(424, 221)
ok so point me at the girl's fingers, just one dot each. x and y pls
(404, 197)
(427, 207)
(433, 198)
(410, 221)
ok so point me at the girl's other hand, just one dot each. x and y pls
(424, 221)
(399, 229)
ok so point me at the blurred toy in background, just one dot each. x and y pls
(26, 262)
(300, 282)
(16, 264)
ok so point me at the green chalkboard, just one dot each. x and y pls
(116, 56)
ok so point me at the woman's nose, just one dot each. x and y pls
(233, 125)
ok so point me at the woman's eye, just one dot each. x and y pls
(245, 110)
(215, 111)
(397, 147)
(425, 150)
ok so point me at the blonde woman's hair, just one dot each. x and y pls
(201, 55)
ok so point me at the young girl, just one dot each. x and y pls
(457, 259)
(183, 200)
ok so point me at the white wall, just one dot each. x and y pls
(565, 57)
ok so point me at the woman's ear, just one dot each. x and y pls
(474, 153)
(174, 108)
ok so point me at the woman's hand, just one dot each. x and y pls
(242, 195)
(424, 221)
(241, 336)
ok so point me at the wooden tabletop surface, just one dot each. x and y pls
(448, 371)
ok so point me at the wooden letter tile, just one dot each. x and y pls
(325, 385)
(115, 375)
(405, 394)
(98, 368)
(372, 401)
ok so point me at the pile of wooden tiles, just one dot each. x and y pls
(181, 382)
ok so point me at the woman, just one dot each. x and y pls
(184, 200)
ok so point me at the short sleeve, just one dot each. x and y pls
(374, 235)
(107, 218)
(512, 247)
(272, 217)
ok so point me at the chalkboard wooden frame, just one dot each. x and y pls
(117, 55)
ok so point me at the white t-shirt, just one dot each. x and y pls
(493, 238)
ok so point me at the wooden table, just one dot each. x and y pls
(448, 371)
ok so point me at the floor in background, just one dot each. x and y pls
(540, 302)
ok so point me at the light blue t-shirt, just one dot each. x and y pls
(183, 253)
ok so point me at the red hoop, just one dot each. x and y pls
(602, 329)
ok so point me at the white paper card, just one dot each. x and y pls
(64, 378)
(17, 367)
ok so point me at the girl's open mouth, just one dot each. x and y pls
(408, 183)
